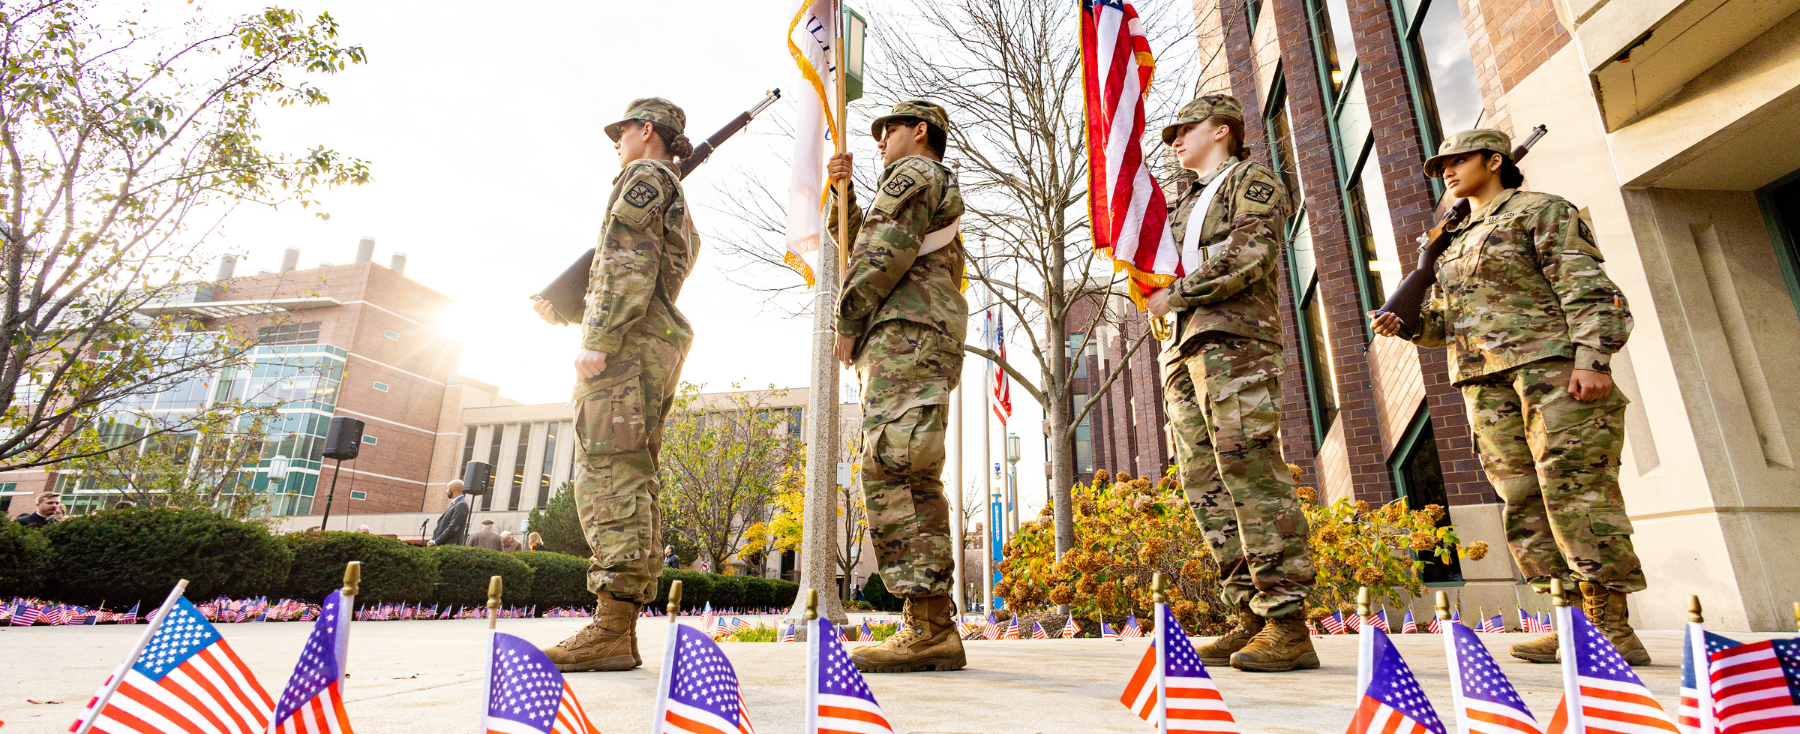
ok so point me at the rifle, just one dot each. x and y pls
(568, 293)
(1408, 298)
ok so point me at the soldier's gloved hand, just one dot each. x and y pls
(1588, 385)
(1384, 323)
(839, 168)
(589, 364)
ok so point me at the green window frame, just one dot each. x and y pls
(1781, 233)
(1419, 437)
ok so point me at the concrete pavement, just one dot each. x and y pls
(426, 677)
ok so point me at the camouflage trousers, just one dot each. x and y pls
(618, 429)
(1224, 401)
(1554, 460)
(907, 371)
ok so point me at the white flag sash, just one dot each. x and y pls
(1192, 254)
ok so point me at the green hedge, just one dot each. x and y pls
(136, 555)
(463, 574)
(24, 557)
(392, 571)
(557, 580)
(699, 589)
(876, 593)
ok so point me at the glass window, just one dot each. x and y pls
(1325, 398)
(1084, 435)
(391, 334)
(1078, 355)
(1336, 39)
(1441, 61)
(493, 462)
(549, 463)
(518, 479)
(1283, 150)
(284, 334)
(1421, 481)
(381, 386)
(1375, 230)
(469, 447)
(370, 440)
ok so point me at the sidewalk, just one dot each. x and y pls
(426, 677)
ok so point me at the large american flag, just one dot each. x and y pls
(837, 697)
(1171, 689)
(1694, 676)
(1611, 697)
(525, 693)
(1756, 687)
(698, 693)
(1393, 703)
(996, 335)
(1125, 206)
(1486, 701)
(187, 679)
(314, 700)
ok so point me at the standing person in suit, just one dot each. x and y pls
(487, 537)
(453, 524)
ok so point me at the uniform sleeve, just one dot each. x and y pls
(625, 267)
(1250, 248)
(888, 242)
(1598, 317)
(831, 208)
(1432, 333)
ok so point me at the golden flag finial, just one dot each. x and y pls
(1559, 596)
(1797, 616)
(812, 605)
(1362, 601)
(1694, 614)
(674, 600)
(352, 577)
(1443, 606)
(1156, 589)
(493, 605)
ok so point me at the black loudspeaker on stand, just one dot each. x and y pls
(477, 479)
(342, 441)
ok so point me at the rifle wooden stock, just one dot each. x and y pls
(568, 293)
(1408, 299)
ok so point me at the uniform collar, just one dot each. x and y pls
(1493, 207)
(666, 165)
(1208, 177)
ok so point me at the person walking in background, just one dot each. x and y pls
(1222, 388)
(510, 544)
(486, 537)
(49, 510)
(633, 343)
(533, 541)
(453, 522)
(670, 560)
(1532, 322)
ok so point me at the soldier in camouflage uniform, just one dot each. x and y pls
(901, 319)
(633, 343)
(1221, 386)
(1532, 323)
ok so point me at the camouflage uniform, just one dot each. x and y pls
(1522, 302)
(909, 318)
(647, 248)
(1221, 384)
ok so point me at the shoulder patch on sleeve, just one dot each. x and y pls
(640, 197)
(641, 194)
(907, 178)
(1259, 192)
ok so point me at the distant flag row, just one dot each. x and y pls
(28, 612)
(1337, 623)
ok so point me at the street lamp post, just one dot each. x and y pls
(278, 470)
(1012, 479)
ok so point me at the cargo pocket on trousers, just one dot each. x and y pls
(610, 418)
(608, 503)
(1609, 521)
(1258, 415)
(1564, 413)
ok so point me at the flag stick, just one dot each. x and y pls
(814, 638)
(668, 666)
(1160, 640)
(1365, 644)
(1702, 663)
(487, 676)
(352, 583)
(1797, 616)
(1565, 641)
(118, 675)
(954, 485)
(1443, 615)
(841, 97)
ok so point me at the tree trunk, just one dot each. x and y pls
(1062, 475)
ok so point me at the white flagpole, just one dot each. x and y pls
(1702, 664)
(1365, 645)
(352, 583)
(118, 675)
(987, 472)
(1565, 641)
(814, 638)
(956, 497)
(1160, 640)
(1450, 656)
(668, 664)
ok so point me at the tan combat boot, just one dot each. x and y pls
(1281, 645)
(927, 642)
(1606, 609)
(608, 642)
(1218, 652)
(1541, 650)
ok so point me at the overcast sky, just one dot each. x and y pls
(482, 127)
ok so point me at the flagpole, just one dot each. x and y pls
(118, 675)
(1456, 696)
(1365, 645)
(1160, 639)
(495, 585)
(1565, 641)
(987, 473)
(668, 665)
(352, 583)
(956, 497)
(1702, 664)
(813, 642)
(817, 559)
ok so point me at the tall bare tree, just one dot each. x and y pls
(121, 148)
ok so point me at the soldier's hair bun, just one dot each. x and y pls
(675, 144)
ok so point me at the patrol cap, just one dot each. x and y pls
(921, 109)
(1468, 141)
(1201, 109)
(650, 109)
